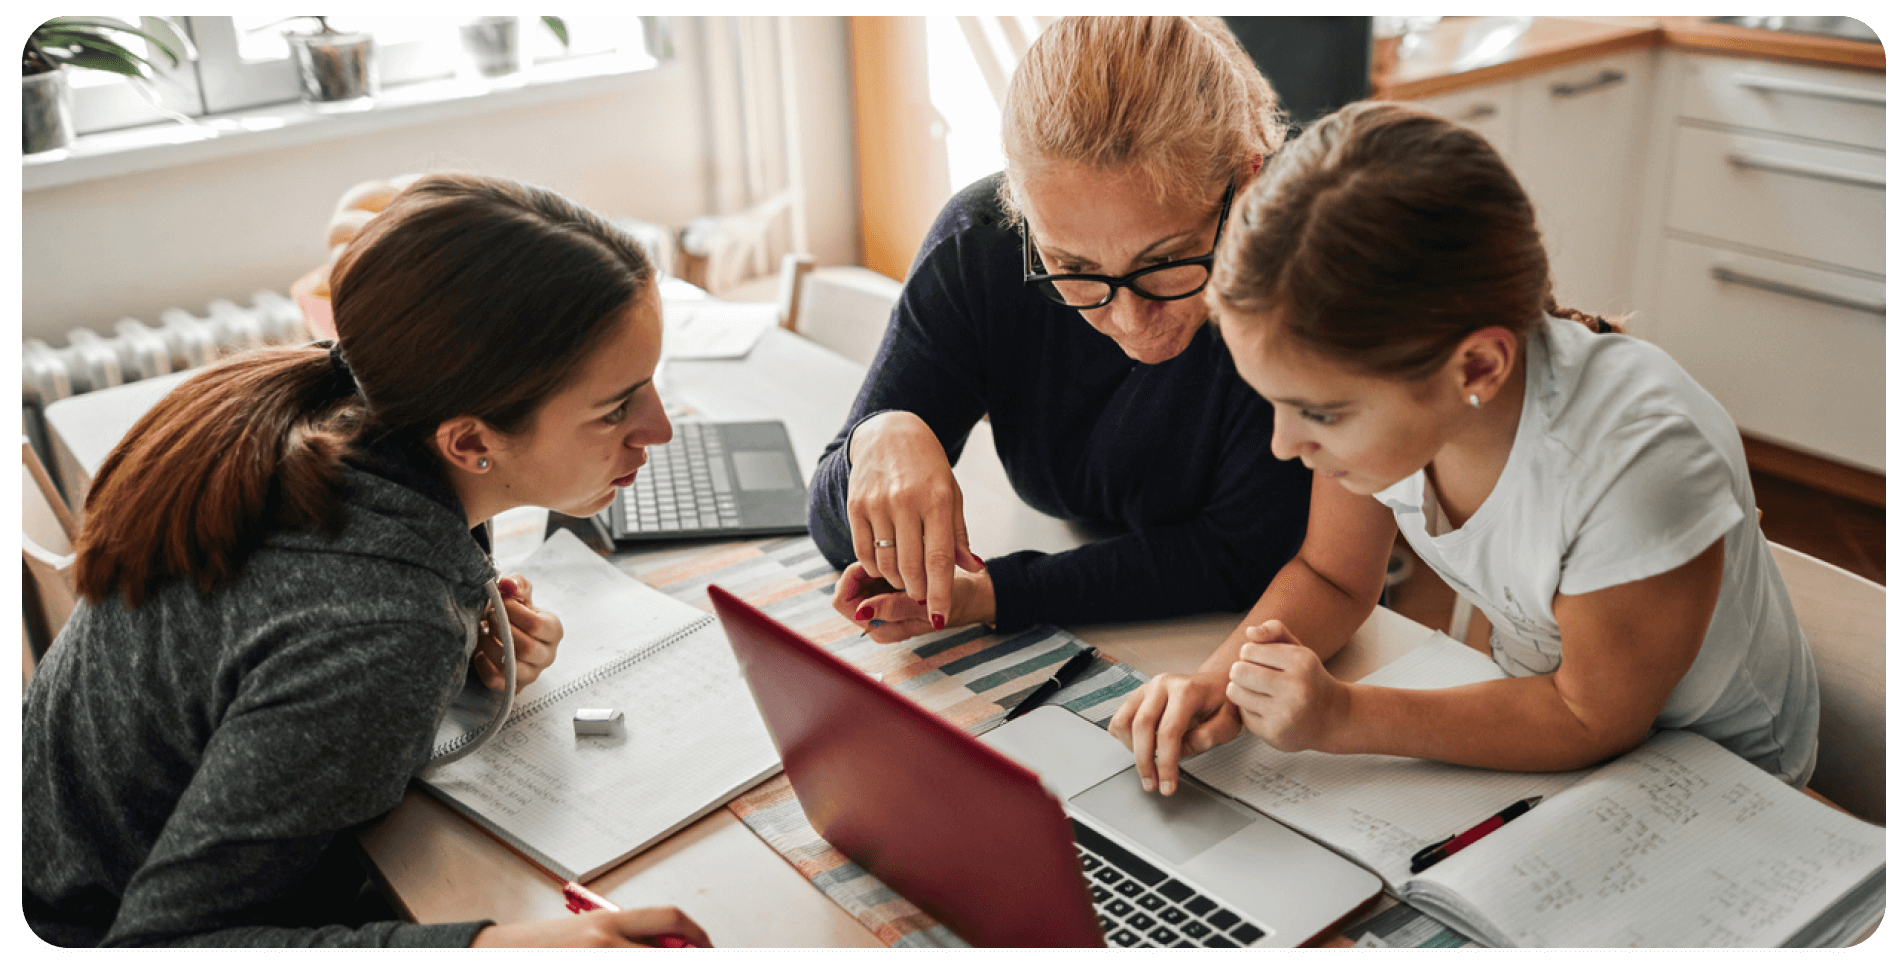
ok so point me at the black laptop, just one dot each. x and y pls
(713, 479)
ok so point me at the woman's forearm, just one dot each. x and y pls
(1522, 724)
(1321, 614)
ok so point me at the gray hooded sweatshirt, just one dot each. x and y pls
(191, 768)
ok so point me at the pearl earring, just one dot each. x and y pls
(1474, 400)
(483, 463)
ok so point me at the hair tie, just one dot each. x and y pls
(341, 367)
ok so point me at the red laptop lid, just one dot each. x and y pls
(963, 832)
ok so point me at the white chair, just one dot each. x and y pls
(842, 308)
(46, 543)
(1842, 615)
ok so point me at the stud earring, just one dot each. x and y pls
(483, 463)
(1474, 400)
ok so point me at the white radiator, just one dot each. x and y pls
(136, 351)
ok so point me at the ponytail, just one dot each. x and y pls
(254, 444)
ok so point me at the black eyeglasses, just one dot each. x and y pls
(1173, 280)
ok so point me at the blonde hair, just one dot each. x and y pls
(1175, 98)
(1384, 236)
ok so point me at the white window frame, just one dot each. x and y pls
(222, 82)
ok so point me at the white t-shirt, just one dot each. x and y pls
(1624, 468)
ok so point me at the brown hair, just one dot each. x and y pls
(1384, 235)
(467, 295)
(1175, 98)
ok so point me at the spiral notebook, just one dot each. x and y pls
(689, 740)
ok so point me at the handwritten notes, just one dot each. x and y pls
(691, 741)
(1679, 843)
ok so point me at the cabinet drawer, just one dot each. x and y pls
(1796, 354)
(1790, 99)
(1810, 201)
(1493, 111)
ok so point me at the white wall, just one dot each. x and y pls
(136, 245)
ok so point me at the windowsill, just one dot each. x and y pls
(103, 155)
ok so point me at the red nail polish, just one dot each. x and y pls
(865, 614)
(922, 602)
(507, 587)
(938, 622)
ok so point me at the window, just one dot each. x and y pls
(244, 63)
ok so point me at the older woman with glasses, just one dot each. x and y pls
(1057, 298)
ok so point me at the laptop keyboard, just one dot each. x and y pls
(1140, 906)
(684, 486)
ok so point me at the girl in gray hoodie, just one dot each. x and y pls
(285, 579)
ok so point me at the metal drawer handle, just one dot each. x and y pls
(1607, 77)
(1745, 160)
(1731, 276)
(1480, 112)
(1760, 82)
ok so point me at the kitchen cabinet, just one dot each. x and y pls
(1759, 263)
(1575, 137)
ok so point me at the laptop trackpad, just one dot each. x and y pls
(763, 470)
(1177, 827)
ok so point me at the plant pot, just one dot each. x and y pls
(492, 46)
(336, 71)
(46, 112)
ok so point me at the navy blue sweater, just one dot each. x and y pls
(1170, 462)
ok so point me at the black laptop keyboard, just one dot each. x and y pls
(1140, 906)
(684, 486)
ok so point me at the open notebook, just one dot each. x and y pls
(1678, 843)
(690, 738)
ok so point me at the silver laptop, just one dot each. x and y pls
(1249, 873)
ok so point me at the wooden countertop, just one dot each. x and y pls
(1435, 67)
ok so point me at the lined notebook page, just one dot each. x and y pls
(1377, 810)
(690, 737)
(1679, 843)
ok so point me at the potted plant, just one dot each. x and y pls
(492, 46)
(95, 43)
(337, 70)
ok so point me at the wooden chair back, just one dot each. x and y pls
(1842, 616)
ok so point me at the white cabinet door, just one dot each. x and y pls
(1582, 132)
(1493, 110)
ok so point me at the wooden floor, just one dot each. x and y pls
(1837, 531)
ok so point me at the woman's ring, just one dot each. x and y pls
(882, 543)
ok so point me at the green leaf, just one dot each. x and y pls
(72, 31)
(104, 62)
(559, 29)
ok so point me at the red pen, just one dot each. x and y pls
(580, 899)
(1438, 851)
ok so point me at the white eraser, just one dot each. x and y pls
(596, 722)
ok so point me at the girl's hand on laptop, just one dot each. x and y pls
(1283, 692)
(536, 633)
(1172, 718)
(890, 615)
(635, 928)
(907, 512)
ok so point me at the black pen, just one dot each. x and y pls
(1438, 851)
(1066, 674)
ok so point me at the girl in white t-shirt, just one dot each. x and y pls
(1386, 290)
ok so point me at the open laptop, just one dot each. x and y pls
(713, 479)
(1037, 835)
